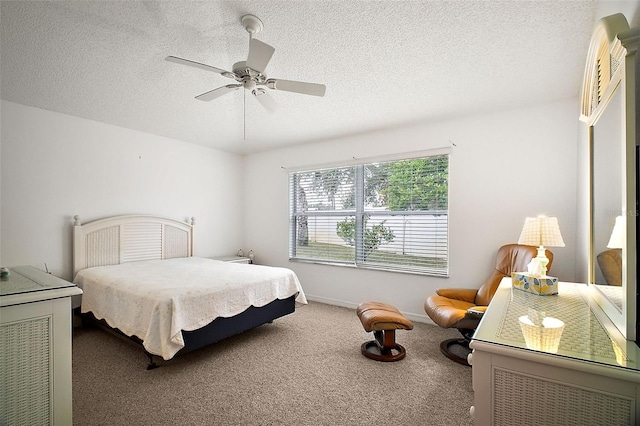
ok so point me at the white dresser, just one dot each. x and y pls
(35, 348)
(592, 379)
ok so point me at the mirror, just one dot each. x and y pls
(607, 160)
(609, 107)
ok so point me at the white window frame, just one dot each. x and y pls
(360, 212)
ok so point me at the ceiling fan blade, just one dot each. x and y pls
(216, 93)
(259, 55)
(195, 64)
(265, 100)
(297, 86)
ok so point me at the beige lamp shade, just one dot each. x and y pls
(617, 235)
(541, 231)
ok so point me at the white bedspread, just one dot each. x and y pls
(156, 299)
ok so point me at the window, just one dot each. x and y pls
(387, 215)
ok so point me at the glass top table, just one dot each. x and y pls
(587, 335)
(27, 279)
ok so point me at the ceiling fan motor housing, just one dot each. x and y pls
(248, 83)
(242, 72)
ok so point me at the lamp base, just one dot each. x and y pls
(542, 257)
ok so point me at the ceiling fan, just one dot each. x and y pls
(250, 73)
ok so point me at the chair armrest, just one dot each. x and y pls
(464, 294)
(476, 312)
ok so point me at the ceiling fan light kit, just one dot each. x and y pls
(250, 74)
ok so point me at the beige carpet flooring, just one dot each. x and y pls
(303, 369)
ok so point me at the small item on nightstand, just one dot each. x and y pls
(240, 253)
(251, 256)
(4, 272)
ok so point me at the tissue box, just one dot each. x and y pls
(543, 286)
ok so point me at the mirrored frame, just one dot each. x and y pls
(609, 109)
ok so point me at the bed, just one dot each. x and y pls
(140, 278)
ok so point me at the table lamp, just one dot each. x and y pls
(541, 231)
(617, 235)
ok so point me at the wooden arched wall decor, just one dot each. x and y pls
(604, 57)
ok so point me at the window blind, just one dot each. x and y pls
(387, 215)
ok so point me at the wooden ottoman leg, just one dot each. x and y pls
(384, 347)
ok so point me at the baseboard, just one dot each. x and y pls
(335, 302)
(418, 318)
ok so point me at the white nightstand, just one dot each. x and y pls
(35, 347)
(233, 259)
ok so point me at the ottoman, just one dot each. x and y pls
(383, 319)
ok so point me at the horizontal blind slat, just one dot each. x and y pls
(404, 222)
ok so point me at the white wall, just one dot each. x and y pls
(55, 166)
(504, 167)
(629, 8)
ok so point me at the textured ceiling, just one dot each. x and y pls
(385, 63)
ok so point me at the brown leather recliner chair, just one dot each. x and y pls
(463, 308)
(610, 262)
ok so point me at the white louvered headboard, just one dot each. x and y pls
(120, 239)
